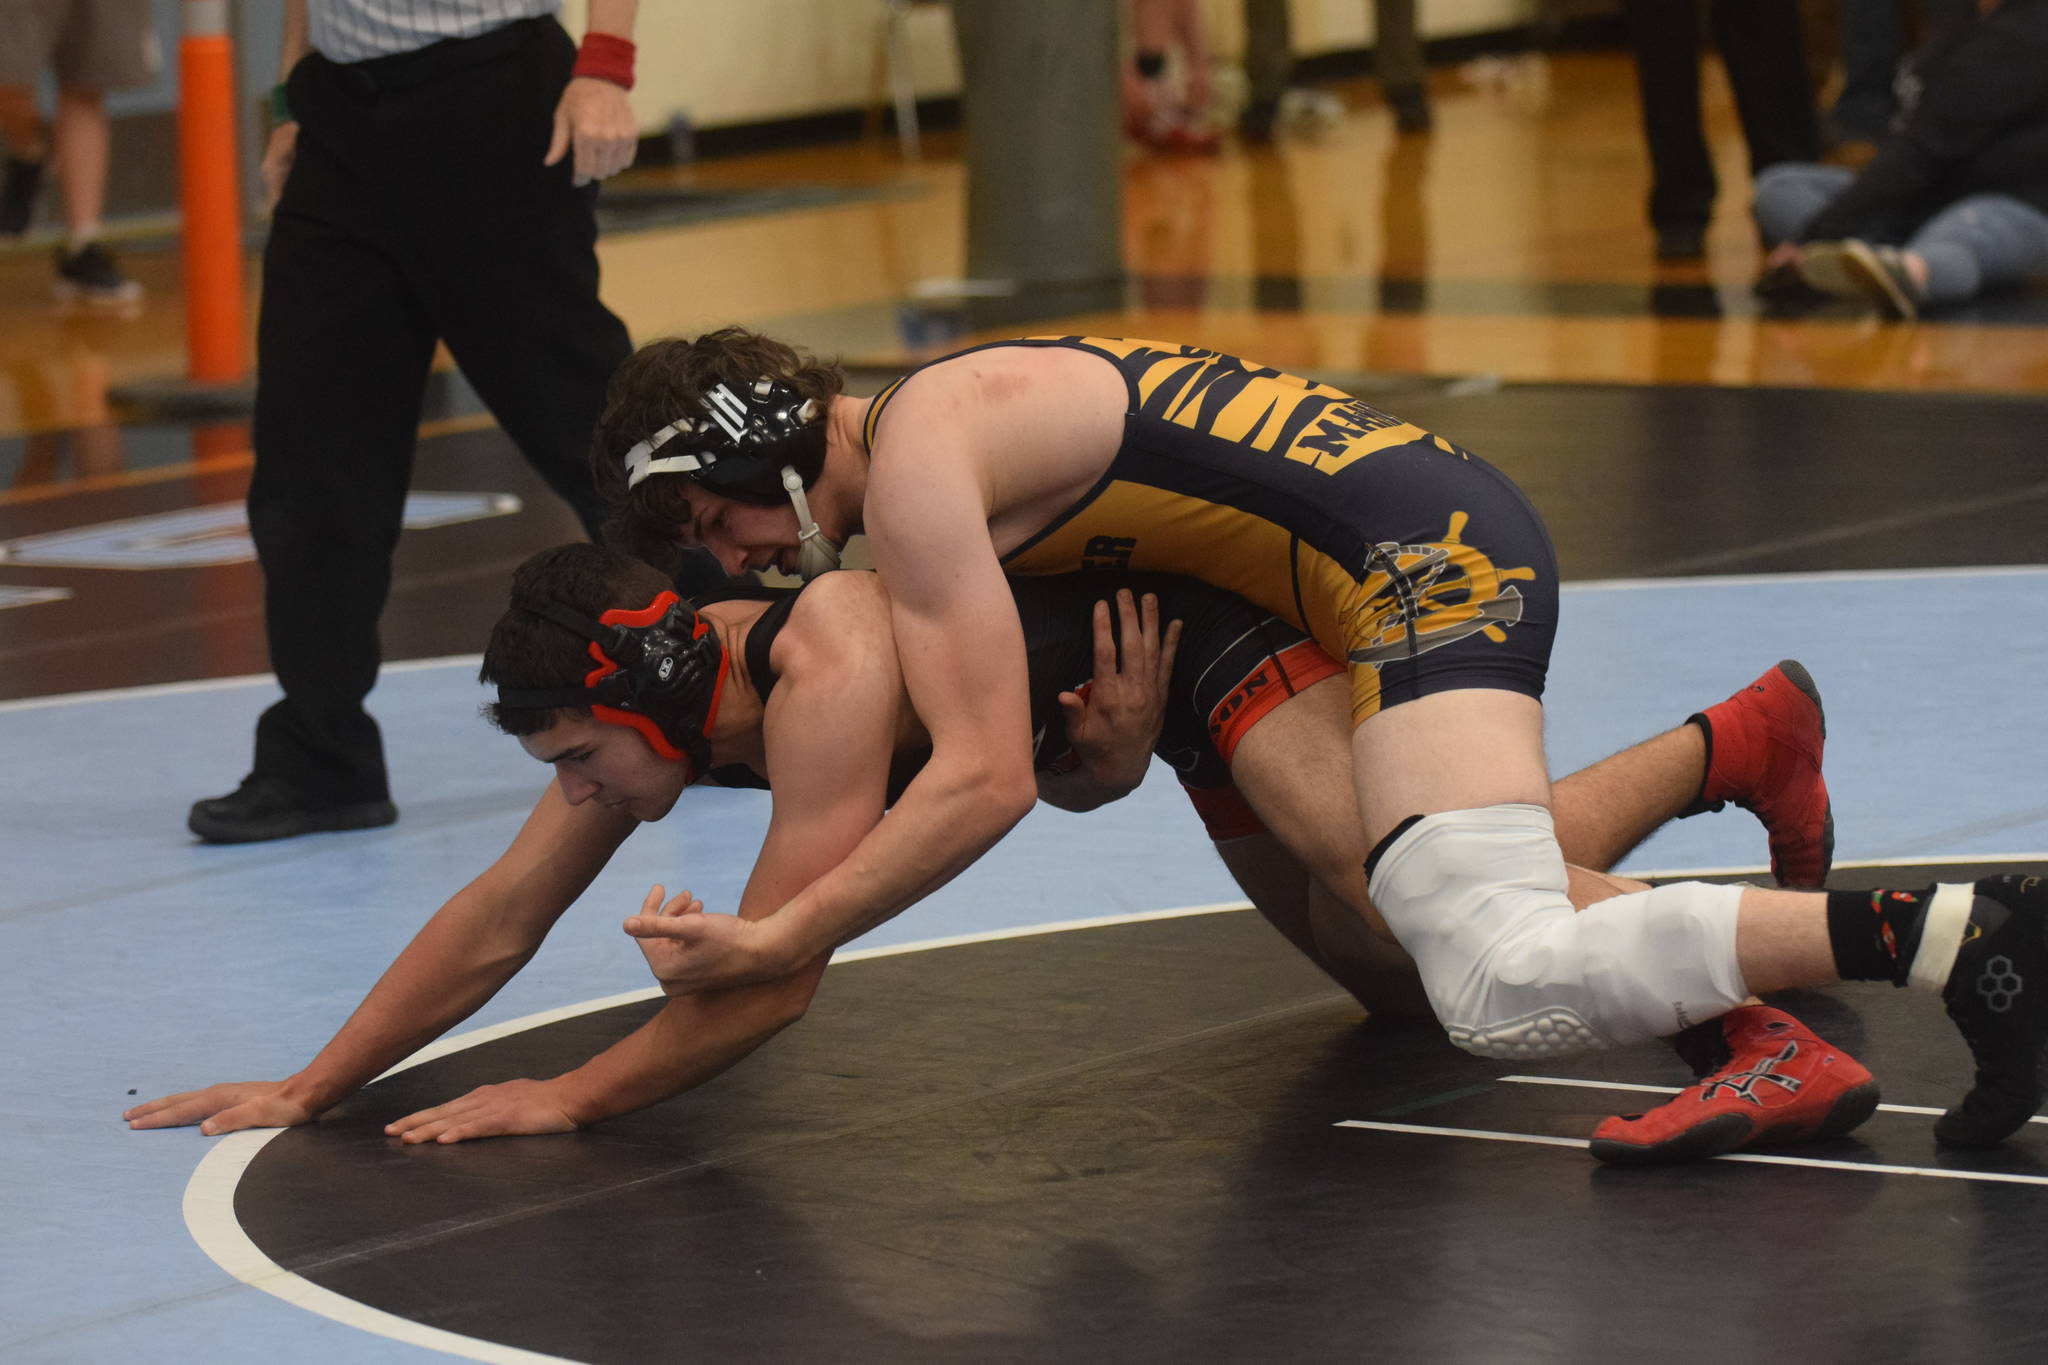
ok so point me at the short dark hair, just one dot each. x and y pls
(667, 379)
(528, 651)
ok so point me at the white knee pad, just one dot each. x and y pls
(1478, 898)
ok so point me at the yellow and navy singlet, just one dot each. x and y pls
(1417, 563)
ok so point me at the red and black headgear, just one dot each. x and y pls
(660, 671)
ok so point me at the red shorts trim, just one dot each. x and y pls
(1225, 813)
(1277, 677)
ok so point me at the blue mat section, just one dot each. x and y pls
(138, 960)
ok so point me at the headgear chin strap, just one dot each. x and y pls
(746, 443)
(660, 670)
(816, 554)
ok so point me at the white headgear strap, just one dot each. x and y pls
(815, 553)
(640, 461)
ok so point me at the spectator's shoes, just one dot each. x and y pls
(1764, 753)
(267, 808)
(1782, 284)
(1258, 121)
(1857, 270)
(1997, 993)
(1411, 109)
(92, 275)
(1780, 1084)
(18, 185)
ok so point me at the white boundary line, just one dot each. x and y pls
(1591, 585)
(209, 1204)
(217, 684)
(1756, 1158)
(1673, 1090)
(1918, 860)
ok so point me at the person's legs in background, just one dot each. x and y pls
(1268, 61)
(1665, 37)
(24, 151)
(1784, 199)
(1761, 47)
(1980, 243)
(1873, 36)
(343, 351)
(1984, 242)
(1397, 61)
(101, 45)
(1789, 194)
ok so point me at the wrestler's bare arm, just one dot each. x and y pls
(458, 960)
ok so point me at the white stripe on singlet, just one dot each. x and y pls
(357, 30)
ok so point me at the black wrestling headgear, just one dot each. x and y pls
(740, 443)
(660, 670)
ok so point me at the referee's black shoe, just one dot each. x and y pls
(1997, 993)
(269, 808)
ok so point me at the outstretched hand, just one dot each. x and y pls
(1113, 723)
(689, 951)
(223, 1109)
(508, 1109)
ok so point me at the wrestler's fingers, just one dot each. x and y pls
(1105, 643)
(1168, 647)
(424, 1118)
(1136, 656)
(682, 928)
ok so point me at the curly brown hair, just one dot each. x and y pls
(529, 652)
(660, 382)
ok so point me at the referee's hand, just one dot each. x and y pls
(595, 119)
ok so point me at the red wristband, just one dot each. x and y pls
(605, 58)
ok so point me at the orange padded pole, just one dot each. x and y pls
(216, 337)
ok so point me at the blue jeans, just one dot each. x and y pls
(1983, 241)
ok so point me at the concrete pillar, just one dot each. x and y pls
(1044, 141)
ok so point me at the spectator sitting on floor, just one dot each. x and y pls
(1955, 202)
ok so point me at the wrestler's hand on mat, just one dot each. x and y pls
(689, 951)
(1114, 723)
(596, 120)
(508, 1109)
(224, 1108)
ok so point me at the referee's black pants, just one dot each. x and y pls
(1761, 48)
(416, 208)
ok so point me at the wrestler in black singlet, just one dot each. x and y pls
(1234, 664)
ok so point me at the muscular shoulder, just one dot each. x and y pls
(1018, 430)
(993, 379)
(840, 622)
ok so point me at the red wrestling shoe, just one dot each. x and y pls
(1779, 1083)
(1763, 753)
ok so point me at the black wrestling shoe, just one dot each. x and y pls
(268, 808)
(1998, 995)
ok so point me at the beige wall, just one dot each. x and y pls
(744, 61)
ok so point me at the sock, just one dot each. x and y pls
(75, 242)
(1874, 933)
(1703, 1047)
(1700, 805)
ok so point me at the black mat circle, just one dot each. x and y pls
(1119, 1144)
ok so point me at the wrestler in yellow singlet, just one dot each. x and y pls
(1418, 563)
